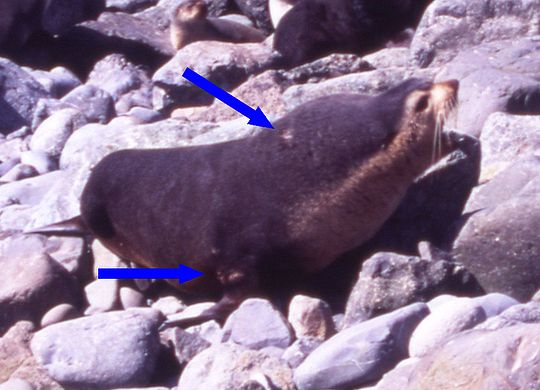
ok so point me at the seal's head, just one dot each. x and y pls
(190, 10)
(425, 107)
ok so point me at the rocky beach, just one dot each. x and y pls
(446, 295)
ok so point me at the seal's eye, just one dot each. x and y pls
(422, 103)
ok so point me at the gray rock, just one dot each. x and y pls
(62, 312)
(19, 172)
(257, 11)
(129, 6)
(389, 281)
(102, 295)
(160, 14)
(369, 82)
(391, 57)
(398, 377)
(20, 94)
(124, 31)
(433, 206)
(16, 384)
(495, 303)
(40, 160)
(273, 351)
(229, 366)
(28, 191)
(257, 324)
(536, 297)
(145, 115)
(225, 64)
(187, 345)
(96, 104)
(130, 297)
(17, 360)
(210, 331)
(52, 134)
(266, 89)
(505, 358)
(447, 320)
(499, 243)
(331, 66)
(104, 258)
(169, 305)
(338, 321)
(46, 107)
(8, 164)
(191, 311)
(299, 350)
(440, 300)
(311, 317)
(362, 353)
(11, 149)
(31, 282)
(58, 82)
(70, 253)
(516, 314)
(505, 139)
(490, 75)
(450, 26)
(128, 84)
(91, 352)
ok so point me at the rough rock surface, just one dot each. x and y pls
(225, 64)
(81, 79)
(498, 242)
(389, 281)
(311, 317)
(506, 139)
(362, 353)
(257, 324)
(496, 76)
(17, 360)
(446, 320)
(449, 26)
(91, 352)
(507, 357)
(31, 282)
(230, 366)
(20, 93)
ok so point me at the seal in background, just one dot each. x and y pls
(190, 23)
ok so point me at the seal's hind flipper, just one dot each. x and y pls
(74, 227)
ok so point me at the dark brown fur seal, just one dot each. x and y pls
(190, 23)
(313, 28)
(284, 202)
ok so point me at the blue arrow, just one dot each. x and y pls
(182, 273)
(256, 117)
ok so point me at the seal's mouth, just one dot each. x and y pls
(444, 97)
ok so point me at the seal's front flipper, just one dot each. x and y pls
(74, 227)
(239, 283)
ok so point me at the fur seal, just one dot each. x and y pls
(190, 23)
(313, 28)
(283, 203)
